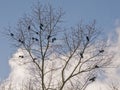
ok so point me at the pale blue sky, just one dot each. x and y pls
(106, 12)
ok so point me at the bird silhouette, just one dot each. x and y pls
(29, 27)
(41, 26)
(48, 37)
(33, 38)
(53, 39)
(96, 66)
(21, 56)
(20, 41)
(101, 51)
(87, 38)
(81, 54)
(11, 34)
(37, 33)
(92, 79)
(36, 39)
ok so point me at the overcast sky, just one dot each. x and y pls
(106, 13)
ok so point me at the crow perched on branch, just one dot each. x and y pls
(29, 27)
(12, 34)
(101, 51)
(87, 38)
(48, 37)
(81, 54)
(96, 66)
(92, 79)
(21, 56)
(41, 26)
(20, 41)
(37, 33)
(53, 39)
(36, 39)
(33, 38)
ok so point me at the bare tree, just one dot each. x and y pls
(64, 59)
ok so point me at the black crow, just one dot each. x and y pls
(28, 27)
(101, 51)
(48, 37)
(33, 38)
(36, 39)
(53, 39)
(21, 56)
(20, 41)
(87, 38)
(96, 66)
(11, 34)
(92, 79)
(37, 33)
(41, 26)
(81, 54)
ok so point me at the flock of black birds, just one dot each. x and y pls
(21, 41)
(81, 54)
(91, 79)
(87, 38)
(53, 39)
(21, 56)
(96, 66)
(33, 38)
(41, 26)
